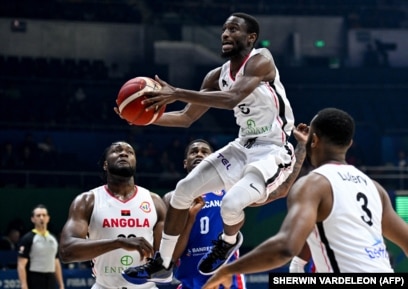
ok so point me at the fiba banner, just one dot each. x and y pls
(369, 280)
(73, 279)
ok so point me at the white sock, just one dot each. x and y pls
(230, 239)
(167, 245)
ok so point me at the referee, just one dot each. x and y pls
(38, 265)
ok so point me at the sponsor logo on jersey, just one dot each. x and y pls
(252, 130)
(224, 161)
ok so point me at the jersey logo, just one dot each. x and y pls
(224, 83)
(145, 206)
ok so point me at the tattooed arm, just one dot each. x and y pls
(301, 134)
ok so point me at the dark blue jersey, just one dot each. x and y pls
(206, 228)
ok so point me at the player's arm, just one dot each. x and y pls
(161, 209)
(76, 247)
(298, 263)
(393, 226)
(191, 112)
(300, 132)
(304, 200)
(258, 68)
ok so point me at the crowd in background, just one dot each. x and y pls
(359, 13)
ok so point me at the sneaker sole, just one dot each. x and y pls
(161, 281)
(139, 281)
(236, 247)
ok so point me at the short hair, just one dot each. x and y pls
(335, 125)
(104, 155)
(102, 159)
(194, 141)
(39, 206)
(251, 23)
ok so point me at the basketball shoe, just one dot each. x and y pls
(219, 254)
(152, 271)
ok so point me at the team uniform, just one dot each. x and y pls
(41, 250)
(206, 228)
(357, 203)
(112, 218)
(265, 119)
(249, 168)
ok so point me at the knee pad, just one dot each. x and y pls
(182, 196)
(245, 192)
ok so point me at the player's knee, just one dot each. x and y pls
(182, 197)
(231, 212)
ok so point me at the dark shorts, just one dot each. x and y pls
(38, 280)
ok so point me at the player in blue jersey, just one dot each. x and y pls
(203, 226)
(204, 218)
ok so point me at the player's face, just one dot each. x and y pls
(195, 154)
(121, 160)
(234, 37)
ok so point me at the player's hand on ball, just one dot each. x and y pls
(116, 110)
(159, 98)
(130, 98)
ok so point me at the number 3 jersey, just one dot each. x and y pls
(350, 238)
(113, 218)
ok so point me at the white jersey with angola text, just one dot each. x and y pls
(266, 112)
(350, 239)
(112, 218)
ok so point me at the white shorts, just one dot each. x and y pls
(274, 162)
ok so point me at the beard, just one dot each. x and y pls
(236, 50)
(126, 172)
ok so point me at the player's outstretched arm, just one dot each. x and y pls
(257, 69)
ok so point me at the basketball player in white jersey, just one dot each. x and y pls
(115, 225)
(339, 210)
(252, 166)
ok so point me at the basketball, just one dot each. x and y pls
(130, 97)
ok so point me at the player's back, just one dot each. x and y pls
(350, 238)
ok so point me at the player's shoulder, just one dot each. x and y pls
(214, 73)
(166, 198)
(83, 201)
(86, 196)
(264, 51)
